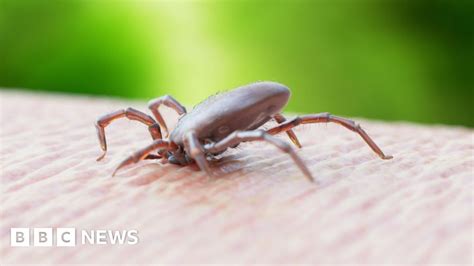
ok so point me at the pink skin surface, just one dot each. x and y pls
(414, 209)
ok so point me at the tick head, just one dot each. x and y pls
(179, 157)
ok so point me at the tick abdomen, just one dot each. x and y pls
(244, 108)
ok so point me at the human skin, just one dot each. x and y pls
(413, 209)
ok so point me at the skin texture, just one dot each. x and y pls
(414, 209)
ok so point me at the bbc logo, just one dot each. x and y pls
(42, 237)
(66, 237)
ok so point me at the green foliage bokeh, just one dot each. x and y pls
(391, 60)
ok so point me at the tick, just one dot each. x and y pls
(221, 122)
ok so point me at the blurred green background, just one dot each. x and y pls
(390, 60)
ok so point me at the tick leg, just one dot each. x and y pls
(168, 101)
(328, 118)
(131, 114)
(196, 151)
(153, 157)
(145, 153)
(280, 119)
(258, 135)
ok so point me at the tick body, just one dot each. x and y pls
(244, 108)
(221, 122)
